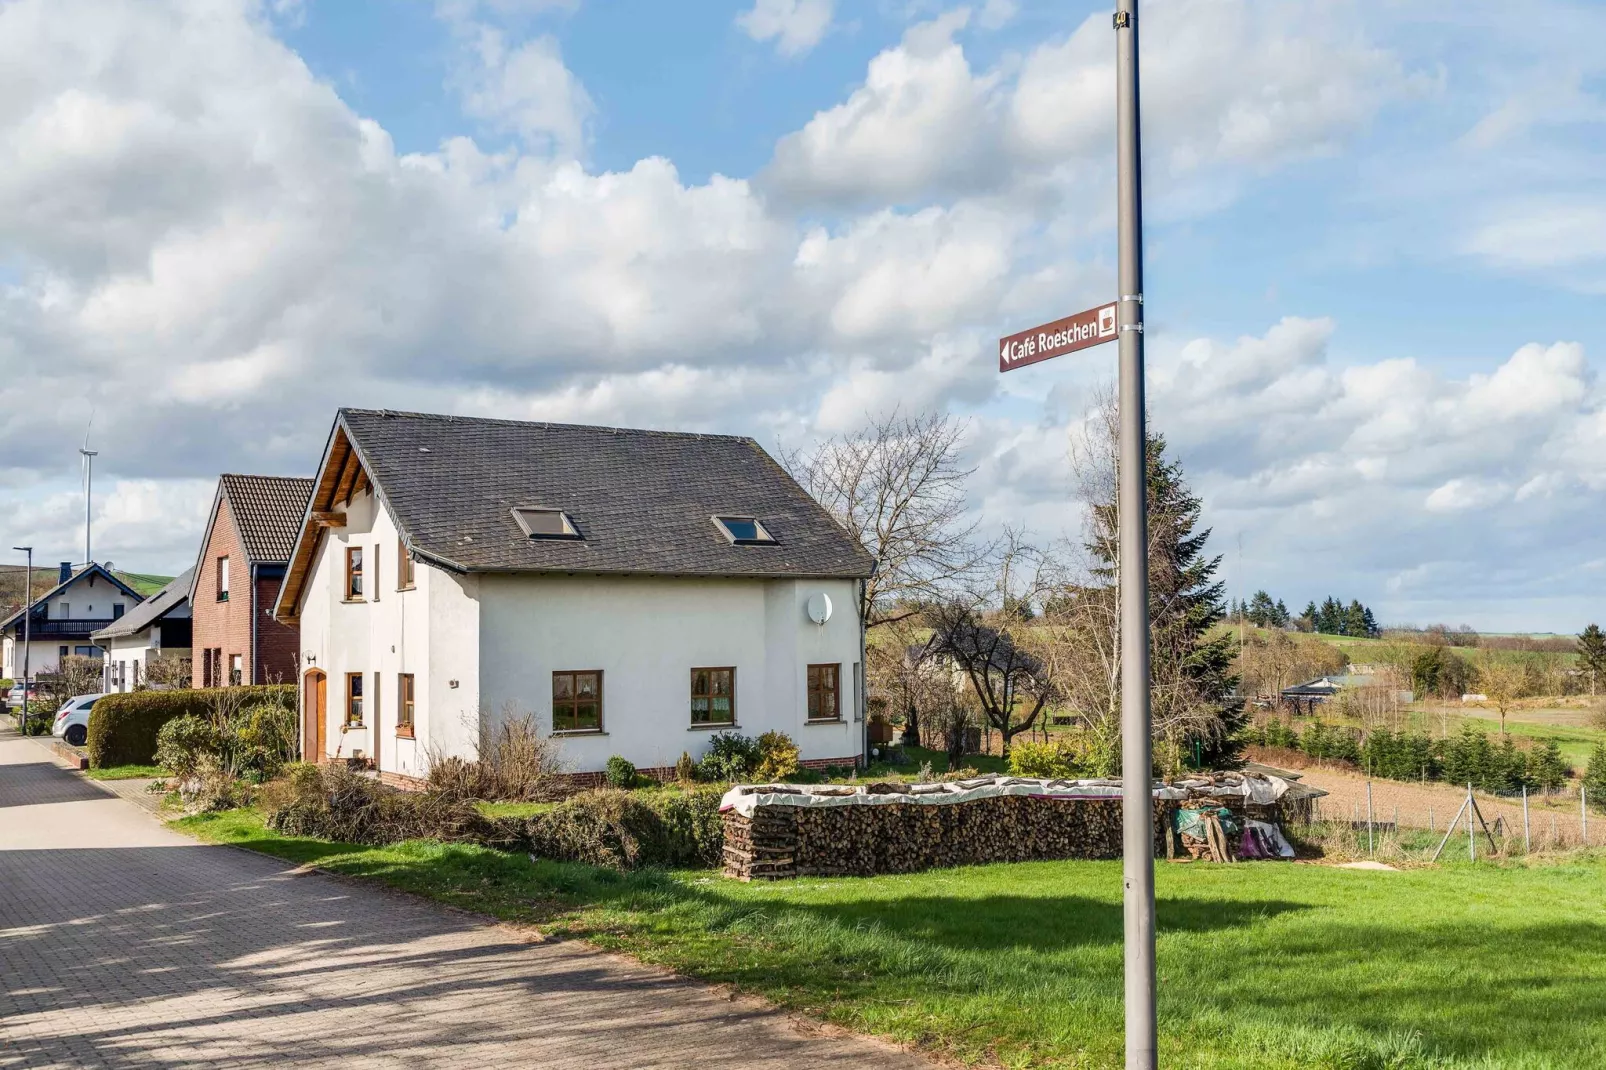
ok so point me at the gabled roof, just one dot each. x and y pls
(152, 610)
(643, 502)
(267, 513)
(82, 573)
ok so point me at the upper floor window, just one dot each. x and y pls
(743, 530)
(223, 579)
(713, 696)
(577, 701)
(825, 692)
(404, 566)
(354, 573)
(64, 610)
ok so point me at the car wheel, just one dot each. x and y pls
(76, 734)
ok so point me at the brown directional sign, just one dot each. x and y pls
(1090, 328)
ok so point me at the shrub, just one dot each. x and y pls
(621, 830)
(182, 742)
(731, 756)
(621, 772)
(686, 769)
(1051, 760)
(517, 764)
(123, 727)
(263, 740)
(334, 803)
(777, 756)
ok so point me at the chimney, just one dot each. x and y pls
(66, 572)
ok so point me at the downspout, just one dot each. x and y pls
(253, 579)
(861, 685)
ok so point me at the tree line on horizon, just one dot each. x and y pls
(1332, 617)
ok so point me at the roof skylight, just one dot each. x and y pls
(743, 530)
(540, 523)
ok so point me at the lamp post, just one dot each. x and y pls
(27, 631)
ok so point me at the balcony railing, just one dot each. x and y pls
(56, 628)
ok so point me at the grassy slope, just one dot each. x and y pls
(1261, 966)
(145, 583)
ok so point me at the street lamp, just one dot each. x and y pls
(27, 634)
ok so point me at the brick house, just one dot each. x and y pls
(235, 638)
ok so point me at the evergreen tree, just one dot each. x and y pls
(1592, 655)
(1307, 619)
(1192, 672)
(1282, 620)
(1595, 778)
(1262, 611)
(1546, 767)
(1370, 623)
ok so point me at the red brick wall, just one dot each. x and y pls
(278, 645)
(227, 625)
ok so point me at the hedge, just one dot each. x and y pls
(123, 727)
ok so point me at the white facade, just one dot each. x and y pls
(129, 657)
(484, 646)
(91, 597)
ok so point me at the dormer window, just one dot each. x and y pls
(743, 530)
(539, 523)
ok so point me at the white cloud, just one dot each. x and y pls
(525, 88)
(795, 26)
(1555, 233)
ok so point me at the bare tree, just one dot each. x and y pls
(1503, 682)
(899, 488)
(1006, 677)
(901, 669)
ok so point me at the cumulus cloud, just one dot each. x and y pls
(795, 26)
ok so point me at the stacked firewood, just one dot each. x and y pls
(782, 840)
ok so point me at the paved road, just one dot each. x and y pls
(123, 944)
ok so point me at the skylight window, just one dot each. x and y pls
(743, 530)
(540, 523)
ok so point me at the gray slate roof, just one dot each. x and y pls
(643, 500)
(98, 569)
(153, 609)
(267, 511)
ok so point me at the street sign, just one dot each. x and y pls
(1085, 329)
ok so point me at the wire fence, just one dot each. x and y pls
(1388, 818)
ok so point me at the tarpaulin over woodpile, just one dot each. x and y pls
(744, 799)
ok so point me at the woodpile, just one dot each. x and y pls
(780, 841)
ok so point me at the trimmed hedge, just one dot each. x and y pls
(123, 727)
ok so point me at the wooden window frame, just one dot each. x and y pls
(813, 685)
(406, 705)
(404, 566)
(357, 678)
(354, 593)
(223, 578)
(710, 694)
(572, 703)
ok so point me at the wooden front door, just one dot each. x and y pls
(315, 715)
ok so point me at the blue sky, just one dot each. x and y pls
(1376, 254)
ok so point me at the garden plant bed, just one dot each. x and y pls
(1263, 967)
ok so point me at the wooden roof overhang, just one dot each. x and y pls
(341, 477)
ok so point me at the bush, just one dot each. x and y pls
(182, 742)
(731, 756)
(517, 765)
(1052, 760)
(621, 773)
(123, 727)
(621, 830)
(686, 769)
(777, 756)
(334, 803)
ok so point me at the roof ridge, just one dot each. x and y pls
(547, 424)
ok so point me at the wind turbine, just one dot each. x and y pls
(89, 456)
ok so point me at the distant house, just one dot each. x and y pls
(1305, 697)
(236, 579)
(157, 626)
(65, 618)
(634, 592)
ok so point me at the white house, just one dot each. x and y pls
(160, 624)
(635, 591)
(64, 619)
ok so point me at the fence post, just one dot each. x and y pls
(1583, 812)
(1472, 840)
(1430, 818)
(1526, 847)
(1370, 848)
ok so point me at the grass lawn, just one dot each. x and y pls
(1261, 966)
(514, 809)
(126, 772)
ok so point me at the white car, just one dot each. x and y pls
(72, 720)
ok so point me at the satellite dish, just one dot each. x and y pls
(819, 608)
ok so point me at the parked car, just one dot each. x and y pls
(14, 695)
(72, 720)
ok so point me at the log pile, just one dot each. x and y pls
(780, 841)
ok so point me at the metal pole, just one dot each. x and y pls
(89, 490)
(1370, 848)
(1472, 840)
(27, 634)
(1583, 813)
(1137, 781)
(1526, 841)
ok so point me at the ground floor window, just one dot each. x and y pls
(404, 705)
(713, 696)
(577, 701)
(825, 692)
(354, 700)
(236, 670)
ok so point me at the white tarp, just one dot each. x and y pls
(744, 799)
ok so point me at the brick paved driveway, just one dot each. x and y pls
(123, 944)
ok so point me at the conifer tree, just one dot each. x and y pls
(1592, 655)
(1595, 777)
(1547, 768)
